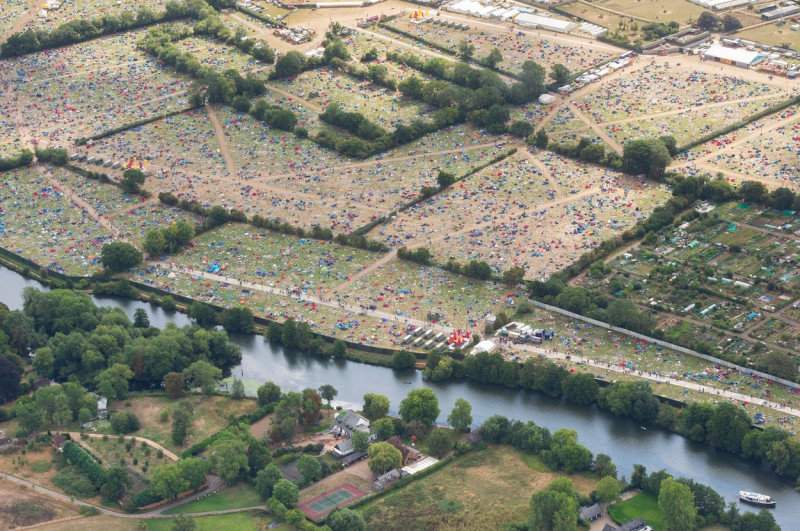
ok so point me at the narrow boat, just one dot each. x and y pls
(762, 500)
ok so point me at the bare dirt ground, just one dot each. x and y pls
(22, 507)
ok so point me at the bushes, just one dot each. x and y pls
(142, 498)
(74, 483)
(124, 422)
(55, 156)
(75, 455)
(24, 158)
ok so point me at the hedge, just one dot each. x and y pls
(24, 158)
(125, 127)
(248, 418)
(81, 460)
(263, 18)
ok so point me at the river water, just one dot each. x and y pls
(625, 441)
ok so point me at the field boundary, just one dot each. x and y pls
(665, 344)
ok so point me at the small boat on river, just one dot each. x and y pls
(762, 500)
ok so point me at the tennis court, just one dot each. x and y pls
(321, 505)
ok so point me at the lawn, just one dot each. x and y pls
(642, 505)
(211, 414)
(235, 497)
(422, 444)
(115, 452)
(244, 521)
(482, 490)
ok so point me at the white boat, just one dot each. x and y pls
(755, 498)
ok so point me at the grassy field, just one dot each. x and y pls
(642, 505)
(235, 497)
(229, 522)
(483, 490)
(114, 451)
(21, 506)
(772, 35)
(211, 414)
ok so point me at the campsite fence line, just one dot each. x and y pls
(678, 348)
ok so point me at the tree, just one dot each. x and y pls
(403, 359)
(28, 414)
(677, 505)
(237, 389)
(237, 320)
(555, 508)
(140, 318)
(182, 418)
(445, 179)
(384, 457)
(753, 192)
(290, 64)
(309, 467)
(731, 23)
(184, 523)
(607, 489)
(124, 422)
(559, 73)
(131, 180)
(383, 428)
(375, 406)
(203, 375)
(10, 376)
(266, 480)
(360, 441)
(286, 492)
(193, 470)
(603, 466)
(202, 313)
(763, 521)
(119, 256)
(521, 129)
(781, 198)
(174, 385)
(312, 405)
(268, 393)
(338, 349)
(513, 276)
(155, 243)
(465, 50)
(460, 417)
(328, 393)
(343, 519)
(113, 382)
(707, 20)
(540, 139)
(439, 443)
(649, 157)
(580, 388)
(420, 404)
(167, 481)
(228, 458)
(118, 481)
(493, 59)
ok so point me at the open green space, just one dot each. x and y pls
(244, 521)
(642, 505)
(234, 497)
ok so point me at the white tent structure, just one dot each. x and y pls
(526, 20)
(733, 56)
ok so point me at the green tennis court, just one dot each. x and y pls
(331, 500)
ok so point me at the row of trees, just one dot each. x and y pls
(80, 29)
(24, 158)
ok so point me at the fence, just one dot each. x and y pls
(684, 350)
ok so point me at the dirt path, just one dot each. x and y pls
(80, 202)
(172, 455)
(312, 106)
(388, 257)
(599, 131)
(222, 141)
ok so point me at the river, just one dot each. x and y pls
(598, 430)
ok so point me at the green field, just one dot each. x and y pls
(642, 505)
(243, 521)
(236, 497)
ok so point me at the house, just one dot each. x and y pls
(22, 441)
(636, 524)
(6, 442)
(354, 457)
(404, 450)
(58, 441)
(389, 477)
(343, 449)
(591, 513)
(349, 421)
